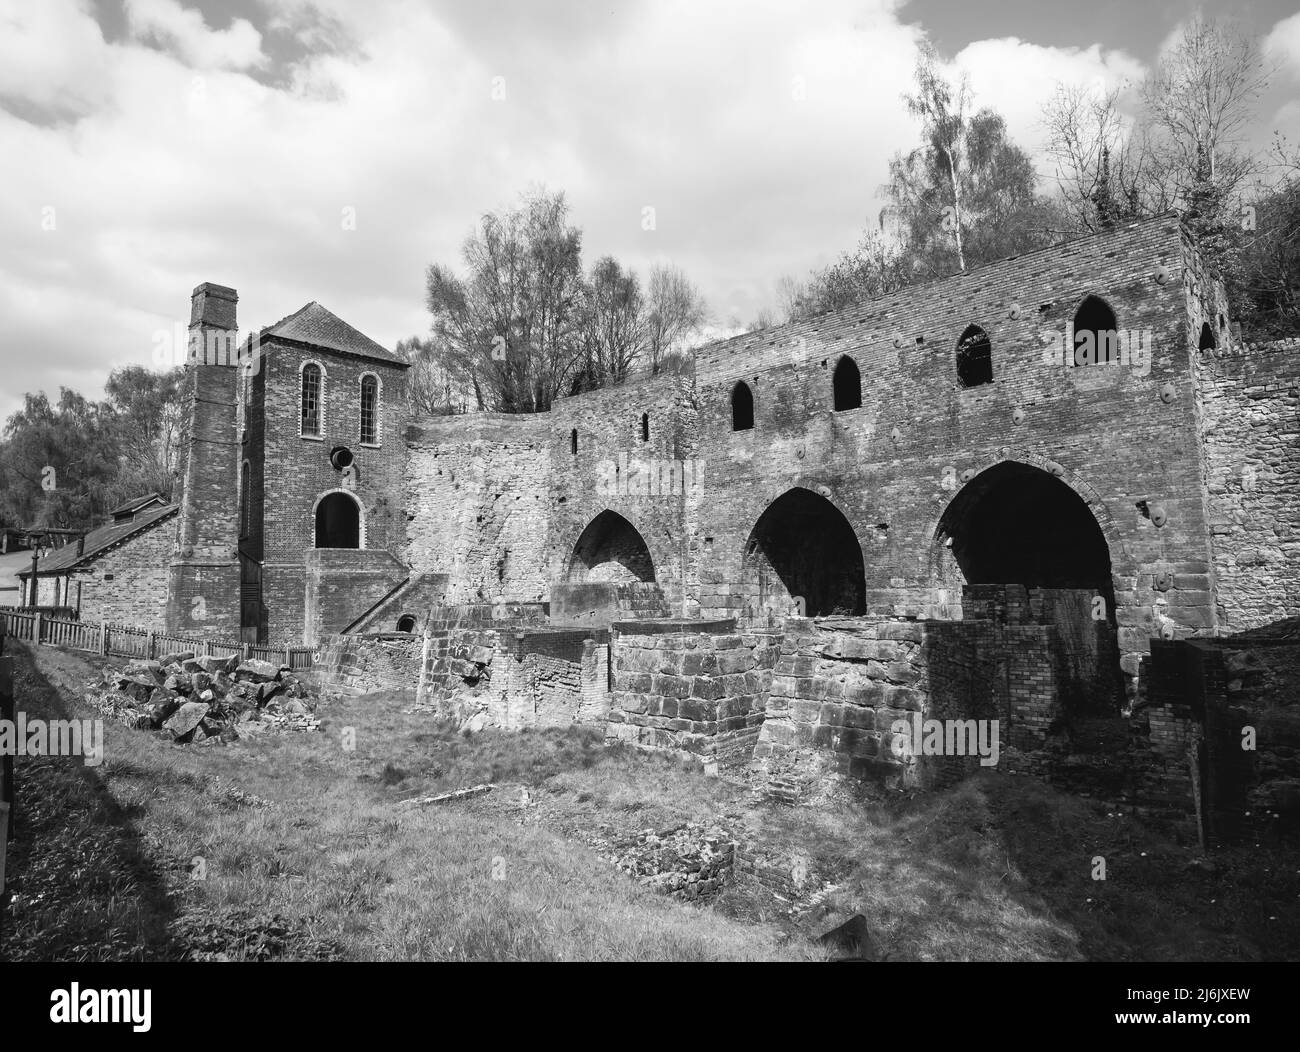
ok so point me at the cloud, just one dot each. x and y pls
(1284, 41)
(180, 154)
(167, 22)
(52, 57)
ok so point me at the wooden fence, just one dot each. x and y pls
(6, 770)
(126, 641)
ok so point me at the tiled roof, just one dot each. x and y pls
(99, 541)
(315, 325)
(137, 503)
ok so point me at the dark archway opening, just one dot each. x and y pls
(611, 550)
(573, 441)
(1096, 333)
(406, 623)
(1015, 524)
(742, 407)
(338, 522)
(645, 427)
(1207, 341)
(974, 358)
(848, 384)
(802, 545)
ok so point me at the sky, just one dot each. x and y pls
(330, 150)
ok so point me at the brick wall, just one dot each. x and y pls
(204, 564)
(135, 594)
(298, 473)
(341, 584)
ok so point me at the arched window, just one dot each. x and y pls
(338, 522)
(1207, 342)
(312, 417)
(1096, 334)
(847, 383)
(406, 623)
(742, 407)
(974, 357)
(573, 441)
(369, 410)
(645, 427)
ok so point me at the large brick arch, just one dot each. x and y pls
(771, 549)
(1122, 562)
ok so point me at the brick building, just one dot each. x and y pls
(291, 514)
(115, 573)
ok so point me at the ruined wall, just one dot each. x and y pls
(1235, 703)
(697, 692)
(612, 467)
(1250, 410)
(893, 465)
(837, 689)
(370, 662)
(476, 505)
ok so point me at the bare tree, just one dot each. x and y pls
(615, 329)
(509, 330)
(675, 311)
(1107, 167)
(1202, 94)
(944, 113)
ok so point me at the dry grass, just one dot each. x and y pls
(333, 864)
(312, 851)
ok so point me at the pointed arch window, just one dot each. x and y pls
(742, 407)
(847, 384)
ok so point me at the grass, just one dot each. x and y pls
(312, 851)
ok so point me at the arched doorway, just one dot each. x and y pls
(338, 522)
(803, 546)
(611, 550)
(1016, 524)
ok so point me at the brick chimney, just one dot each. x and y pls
(213, 326)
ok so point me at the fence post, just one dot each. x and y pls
(149, 646)
(243, 652)
(288, 657)
(103, 639)
(38, 629)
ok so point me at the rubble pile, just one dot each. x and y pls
(199, 699)
(690, 861)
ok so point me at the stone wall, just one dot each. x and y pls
(368, 662)
(836, 692)
(612, 471)
(476, 507)
(696, 690)
(1250, 417)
